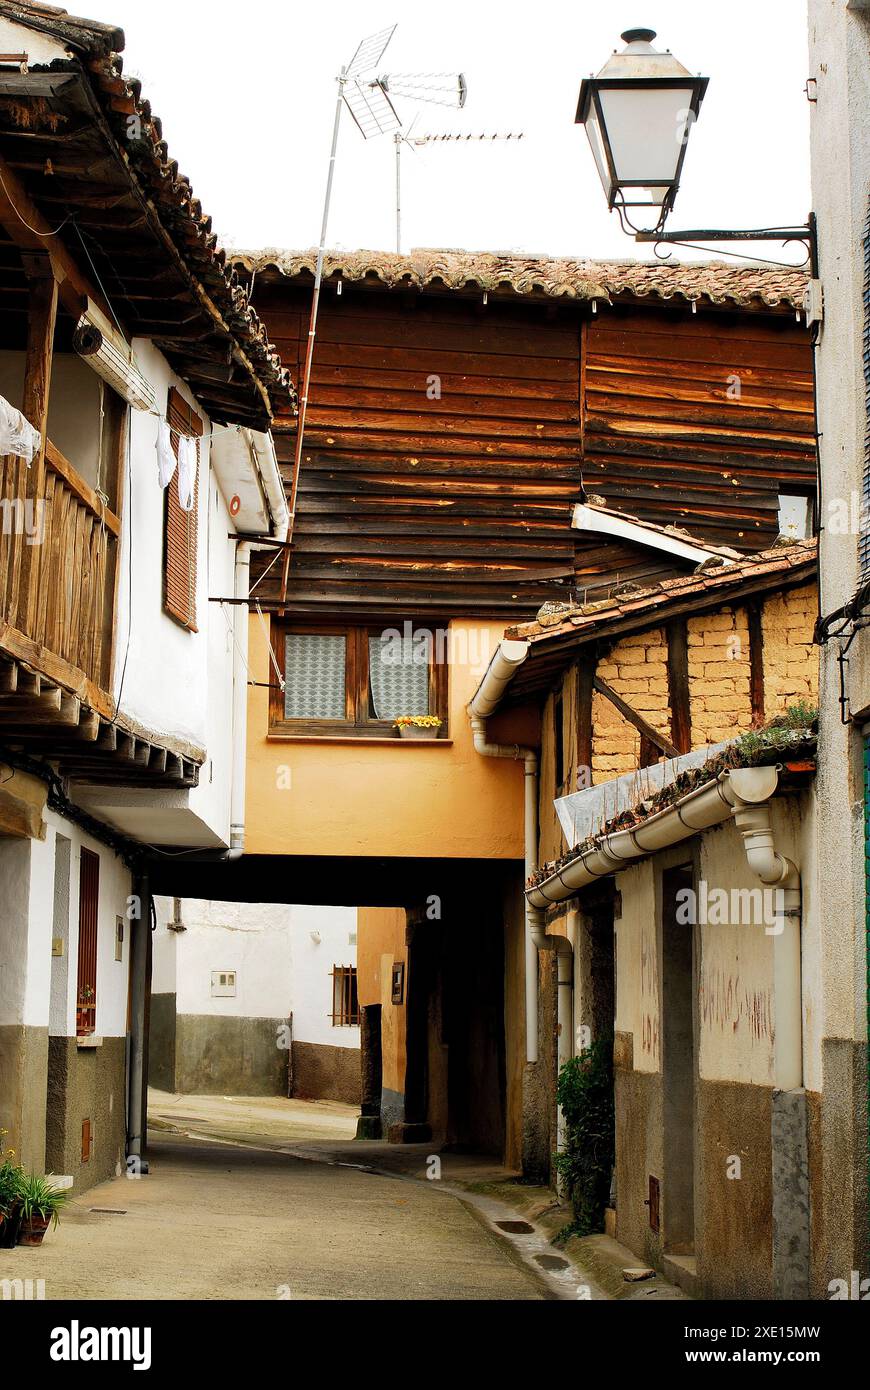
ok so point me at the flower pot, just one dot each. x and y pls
(33, 1229)
(412, 731)
(9, 1224)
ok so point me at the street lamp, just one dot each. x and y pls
(638, 113)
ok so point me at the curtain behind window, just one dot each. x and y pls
(399, 674)
(314, 671)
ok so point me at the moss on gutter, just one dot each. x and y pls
(792, 733)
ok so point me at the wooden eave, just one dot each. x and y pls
(68, 723)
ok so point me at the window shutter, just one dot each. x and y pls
(86, 986)
(180, 527)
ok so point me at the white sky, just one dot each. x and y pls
(246, 94)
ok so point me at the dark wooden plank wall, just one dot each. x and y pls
(699, 420)
(426, 503)
(462, 503)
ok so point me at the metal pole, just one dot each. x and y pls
(398, 140)
(312, 330)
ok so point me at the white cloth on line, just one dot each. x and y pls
(165, 454)
(186, 472)
(17, 435)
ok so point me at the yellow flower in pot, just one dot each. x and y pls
(420, 726)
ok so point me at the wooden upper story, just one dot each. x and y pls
(462, 404)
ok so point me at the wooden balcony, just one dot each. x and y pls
(59, 558)
(59, 554)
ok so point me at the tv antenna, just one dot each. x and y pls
(370, 98)
(435, 137)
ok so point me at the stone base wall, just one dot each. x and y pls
(226, 1056)
(23, 1066)
(86, 1083)
(322, 1072)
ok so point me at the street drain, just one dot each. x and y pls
(516, 1228)
(551, 1262)
(109, 1211)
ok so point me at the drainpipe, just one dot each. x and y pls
(536, 933)
(140, 990)
(499, 674)
(240, 701)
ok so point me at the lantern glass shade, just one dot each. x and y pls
(646, 131)
(638, 113)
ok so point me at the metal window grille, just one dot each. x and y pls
(345, 1004)
(89, 899)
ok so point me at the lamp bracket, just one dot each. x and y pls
(806, 234)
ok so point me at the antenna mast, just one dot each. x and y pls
(368, 99)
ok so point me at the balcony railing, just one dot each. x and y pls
(58, 568)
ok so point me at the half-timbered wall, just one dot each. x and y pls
(721, 704)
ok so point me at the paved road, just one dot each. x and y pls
(217, 1221)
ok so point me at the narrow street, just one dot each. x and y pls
(220, 1221)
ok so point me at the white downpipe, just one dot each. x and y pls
(534, 918)
(775, 870)
(240, 700)
(501, 670)
(565, 1015)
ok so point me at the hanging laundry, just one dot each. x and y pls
(17, 435)
(186, 472)
(165, 454)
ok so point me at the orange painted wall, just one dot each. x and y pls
(381, 945)
(399, 798)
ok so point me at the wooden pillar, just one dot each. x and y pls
(678, 684)
(42, 315)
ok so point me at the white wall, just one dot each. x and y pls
(280, 967)
(312, 963)
(36, 988)
(176, 682)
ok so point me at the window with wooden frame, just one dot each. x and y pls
(180, 526)
(86, 982)
(356, 681)
(345, 1004)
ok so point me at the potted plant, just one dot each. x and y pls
(10, 1203)
(418, 725)
(40, 1206)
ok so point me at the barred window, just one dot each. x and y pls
(345, 1004)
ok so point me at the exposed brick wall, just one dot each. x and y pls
(791, 662)
(637, 670)
(719, 697)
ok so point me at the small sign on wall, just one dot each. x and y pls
(398, 996)
(119, 938)
(223, 984)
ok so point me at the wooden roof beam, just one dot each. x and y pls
(27, 227)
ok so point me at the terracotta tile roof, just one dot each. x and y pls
(552, 276)
(585, 619)
(94, 50)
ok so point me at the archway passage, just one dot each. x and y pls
(431, 1003)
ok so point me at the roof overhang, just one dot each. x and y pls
(608, 523)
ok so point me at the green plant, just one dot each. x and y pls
(418, 721)
(40, 1199)
(584, 1092)
(10, 1177)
